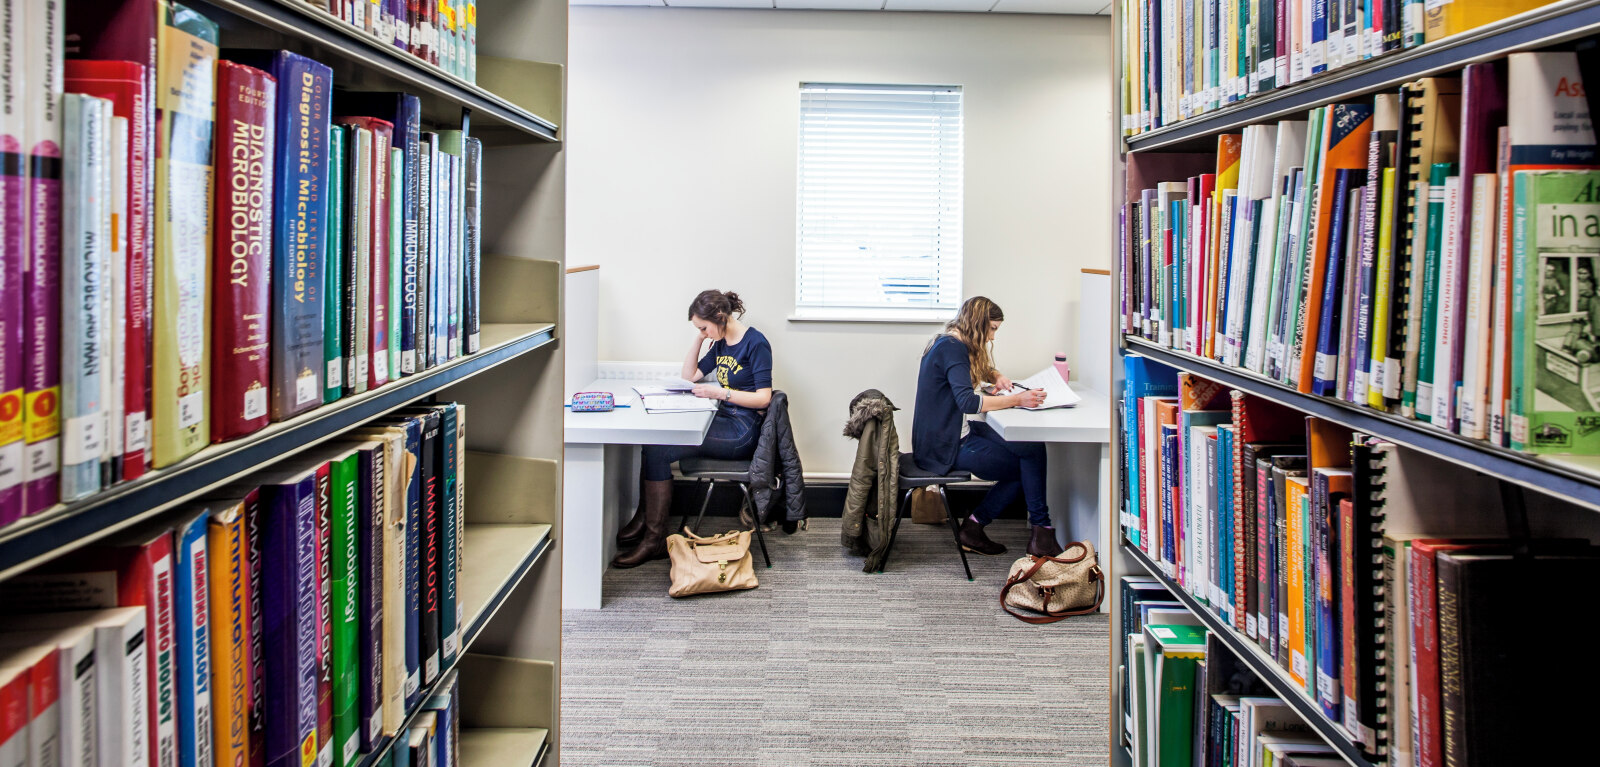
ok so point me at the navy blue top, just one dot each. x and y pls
(745, 366)
(944, 396)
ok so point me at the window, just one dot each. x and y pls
(879, 216)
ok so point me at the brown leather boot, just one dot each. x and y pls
(631, 532)
(1043, 543)
(653, 544)
(973, 539)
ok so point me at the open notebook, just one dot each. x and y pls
(1057, 392)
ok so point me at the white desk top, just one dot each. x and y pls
(632, 425)
(1088, 421)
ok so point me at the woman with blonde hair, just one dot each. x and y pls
(956, 366)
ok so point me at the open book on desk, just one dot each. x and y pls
(677, 403)
(1057, 392)
(666, 387)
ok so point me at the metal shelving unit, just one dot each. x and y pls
(1549, 25)
(336, 40)
(1570, 481)
(1265, 668)
(68, 526)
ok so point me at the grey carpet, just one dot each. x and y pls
(826, 665)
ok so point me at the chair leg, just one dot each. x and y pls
(760, 538)
(905, 503)
(710, 488)
(955, 530)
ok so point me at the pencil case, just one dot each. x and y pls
(593, 402)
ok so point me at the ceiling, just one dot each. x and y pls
(1085, 7)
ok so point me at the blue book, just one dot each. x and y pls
(472, 243)
(404, 111)
(1325, 524)
(1230, 220)
(192, 630)
(1325, 376)
(85, 256)
(447, 724)
(1170, 478)
(1224, 507)
(1141, 377)
(449, 525)
(289, 600)
(300, 210)
(1317, 52)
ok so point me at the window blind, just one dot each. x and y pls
(879, 218)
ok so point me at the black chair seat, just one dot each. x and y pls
(913, 476)
(715, 468)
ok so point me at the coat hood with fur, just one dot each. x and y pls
(868, 406)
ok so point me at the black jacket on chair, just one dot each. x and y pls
(777, 457)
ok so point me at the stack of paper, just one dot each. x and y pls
(676, 403)
(1057, 392)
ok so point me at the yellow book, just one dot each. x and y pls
(1381, 297)
(1449, 17)
(1298, 495)
(229, 595)
(185, 111)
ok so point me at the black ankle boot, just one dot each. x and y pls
(1043, 542)
(974, 540)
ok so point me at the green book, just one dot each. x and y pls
(344, 548)
(1176, 650)
(1430, 287)
(1556, 247)
(1305, 224)
(333, 274)
(1138, 672)
(397, 227)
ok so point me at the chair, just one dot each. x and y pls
(715, 470)
(912, 477)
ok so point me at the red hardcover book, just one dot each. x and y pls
(324, 614)
(241, 365)
(378, 308)
(1425, 647)
(1346, 556)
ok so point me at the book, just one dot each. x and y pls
(300, 209)
(1473, 404)
(452, 507)
(324, 616)
(192, 631)
(289, 602)
(1433, 110)
(39, 663)
(185, 109)
(397, 243)
(1450, 17)
(344, 480)
(472, 240)
(333, 269)
(376, 159)
(371, 510)
(39, 65)
(232, 668)
(429, 544)
(126, 85)
(241, 368)
(14, 362)
(1175, 650)
(358, 260)
(120, 712)
(84, 271)
(62, 700)
(1345, 141)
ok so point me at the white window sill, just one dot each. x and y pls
(903, 318)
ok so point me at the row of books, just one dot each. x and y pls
(185, 270)
(1429, 252)
(1187, 701)
(1369, 572)
(443, 34)
(1184, 58)
(434, 737)
(294, 617)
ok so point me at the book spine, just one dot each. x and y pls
(1343, 554)
(241, 286)
(433, 480)
(396, 219)
(228, 555)
(41, 150)
(401, 465)
(1446, 370)
(423, 340)
(333, 269)
(300, 209)
(186, 106)
(455, 249)
(151, 585)
(346, 576)
(371, 510)
(14, 351)
(289, 563)
(407, 128)
(1452, 697)
(1329, 641)
(1425, 659)
(378, 292)
(1378, 378)
(473, 256)
(122, 680)
(1473, 405)
(255, 527)
(193, 642)
(449, 523)
(324, 615)
(114, 298)
(357, 147)
(1263, 574)
(360, 285)
(83, 275)
(413, 567)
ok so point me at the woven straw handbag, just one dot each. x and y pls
(708, 565)
(1055, 587)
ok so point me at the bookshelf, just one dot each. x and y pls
(1570, 481)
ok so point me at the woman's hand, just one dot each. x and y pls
(1029, 398)
(1001, 383)
(710, 391)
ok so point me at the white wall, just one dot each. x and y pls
(683, 148)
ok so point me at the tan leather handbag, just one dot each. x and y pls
(707, 565)
(1055, 587)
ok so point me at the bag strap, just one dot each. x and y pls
(1051, 617)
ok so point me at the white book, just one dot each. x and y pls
(1152, 477)
(74, 697)
(1476, 340)
(117, 268)
(1198, 513)
(122, 710)
(37, 741)
(1445, 370)
(84, 256)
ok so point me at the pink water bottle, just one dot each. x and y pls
(1063, 368)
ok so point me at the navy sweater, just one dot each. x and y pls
(944, 395)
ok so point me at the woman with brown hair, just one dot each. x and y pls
(742, 359)
(957, 364)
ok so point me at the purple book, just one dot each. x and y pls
(41, 145)
(13, 355)
(1483, 111)
(289, 604)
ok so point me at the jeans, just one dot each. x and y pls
(732, 436)
(1014, 467)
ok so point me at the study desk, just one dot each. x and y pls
(1078, 441)
(601, 478)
